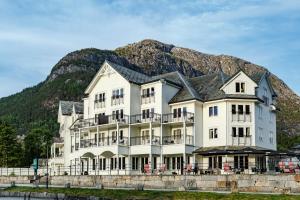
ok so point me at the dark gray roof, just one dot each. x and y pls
(229, 148)
(129, 74)
(67, 107)
(207, 87)
(203, 88)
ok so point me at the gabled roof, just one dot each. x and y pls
(67, 107)
(130, 75)
(204, 88)
(236, 74)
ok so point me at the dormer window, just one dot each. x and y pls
(240, 87)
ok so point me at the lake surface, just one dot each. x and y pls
(17, 198)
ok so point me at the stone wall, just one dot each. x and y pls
(234, 183)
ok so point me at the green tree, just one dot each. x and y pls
(36, 143)
(10, 147)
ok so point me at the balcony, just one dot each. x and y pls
(117, 100)
(144, 140)
(106, 141)
(241, 141)
(139, 118)
(169, 140)
(148, 98)
(182, 117)
(102, 120)
(241, 117)
(100, 104)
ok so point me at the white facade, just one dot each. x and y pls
(131, 127)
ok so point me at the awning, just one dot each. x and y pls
(88, 155)
(107, 154)
(230, 150)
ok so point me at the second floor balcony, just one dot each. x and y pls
(144, 118)
(102, 120)
(242, 141)
(178, 139)
(178, 117)
(103, 141)
(241, 117)
(144, 140)
(148, 98)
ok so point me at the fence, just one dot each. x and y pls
(23, 171)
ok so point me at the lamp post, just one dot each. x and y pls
(47, 174)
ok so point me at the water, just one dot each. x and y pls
(17, 198)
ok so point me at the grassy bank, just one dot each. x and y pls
(132, 194)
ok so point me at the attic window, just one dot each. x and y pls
(240, 87)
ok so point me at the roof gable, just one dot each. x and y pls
(233, 77)
(130, 75)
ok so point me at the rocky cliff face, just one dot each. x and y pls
(73, 72)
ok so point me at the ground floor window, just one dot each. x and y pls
(102, 163)
(215, 162)
(94, 164)
(241, 162)
(134, 163)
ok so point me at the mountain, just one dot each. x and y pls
(68, 79)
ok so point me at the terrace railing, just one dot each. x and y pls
(178, 117)
(140, 118)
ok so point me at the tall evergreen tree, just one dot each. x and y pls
(10, 147)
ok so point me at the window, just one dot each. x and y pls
(260, 112)
(271, 138)
(148, 92)
(234, 132)
(177, 112)
(118, 114)
(94, 164)
(99, 100)
(240, 87)
(241, 162)
(117, 96)
(248, 132)
(247, 109)
(147, 113)
(213, 111)
(240, 109)
(184, 111)
(134, 163)
(241, 132)
(213, 133)
(260, 134)
(233, 109)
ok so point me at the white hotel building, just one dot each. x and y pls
(130, 123)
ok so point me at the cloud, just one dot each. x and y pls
(34, 35)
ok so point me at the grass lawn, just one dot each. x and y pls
(133, 194)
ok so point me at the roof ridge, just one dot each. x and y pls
(188, 86)
(113, 63)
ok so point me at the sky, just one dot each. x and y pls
(35, 35)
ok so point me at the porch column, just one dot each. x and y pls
(184, 133)
(54, 145)
(150, 127)
(267, 163)
(161, 144)
(184, 163)
(150, 163)
(97, 139)
(118, 169)
(118, 133)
